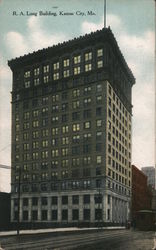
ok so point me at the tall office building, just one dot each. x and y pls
(150, 173)
(71, 132)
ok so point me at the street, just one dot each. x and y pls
(89, 240)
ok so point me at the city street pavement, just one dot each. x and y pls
(98, 239)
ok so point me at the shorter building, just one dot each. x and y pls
(5, 178)
(4, 211)
(150, 173)
(141, 193)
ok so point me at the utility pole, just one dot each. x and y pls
(19, 195)
(104, 13)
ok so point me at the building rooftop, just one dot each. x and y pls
(104, 34)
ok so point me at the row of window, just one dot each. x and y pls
(114, 101)
(64, 215)
(86, 172)
(64, 117)
(66, 63)
(54, 186)
(64, 129)
(64, 200)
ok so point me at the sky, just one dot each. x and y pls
(131, 21)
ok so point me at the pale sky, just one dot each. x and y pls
(131, 21)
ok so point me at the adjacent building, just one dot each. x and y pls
(71, 133)
(150, 173)
(141, 193)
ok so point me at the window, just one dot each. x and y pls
(27, 74)
(77, 70)
(44, 215)
(75, 162)
(64, 214)
(87, 90)
(88, 56)
(65, 140)
(46, 79)
(99, 123)
(45, 100)
(65, 129)
(26, 146)
(35, 113)
(56, 76)
(87, 101)
(54, 175)
(25, 201)
(36, 81)
(64, 174)
(64, 151)
(56, 66)
(35, 124)
(87, 160)
(25, 126)
(54, 214)
(98, 214)
(64, 163)
(45, 111)
(54, 119)
(99, 64)
(46, 68)
(75, 199)
(45, 143)
(87, 125)
(77, 59)
(75, 214)
(64, 106)
(86, 214)
(44, 201)
(86, 199)
(26, 136)
(66, 62)
(45, 132)
(54, 131)
(64, 200)
(87, 113)
(99, 52)
(98, 159)
(27, 84)
(66, 73)
(76, 104)
(76, 139)
(76, 127)
(44, 176)
(55, 153)
(87, 136)
(34, 201)
(76, 93)
(35, 134)
(54, 200)
(88, 67)
(99, 87)
(75, 116)
(55, 98)
(55, 108)
(35, 156)
(99, 99)
(36, 71)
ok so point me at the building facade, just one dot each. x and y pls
(71, 132)
(141, 193)
(150, 173)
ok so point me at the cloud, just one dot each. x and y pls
(35, 38)
(113, 20)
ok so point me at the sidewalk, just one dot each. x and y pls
(54, 230)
